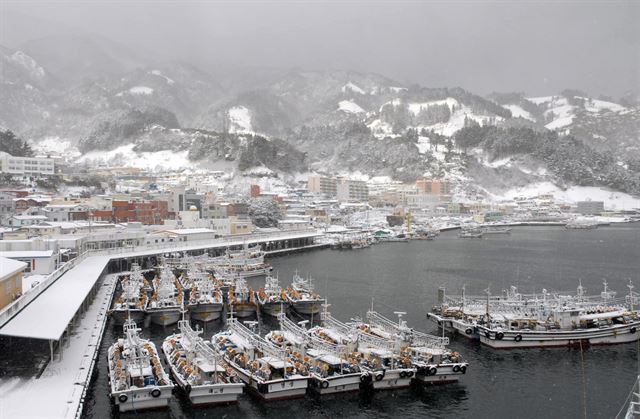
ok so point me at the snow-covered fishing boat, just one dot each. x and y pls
(470, 233)
(429, 354)
(166, 301)
(205, 298)
(198, 369)
(248, 261)
(272, 299)
(570, 326)
(302, 296)
(377, 357)
(265, 368)
(330, 366)
(517, 321)
(132, 300)
(136, 377)
(242, 299)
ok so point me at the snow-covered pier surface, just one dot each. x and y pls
(60, 390)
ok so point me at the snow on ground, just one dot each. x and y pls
(259, 171)
(540, 100)
(28, 63)
(561, 112)
(240, 119)
(612, 199)
(518, 112)
(456, 122)
(141, 90)
(397, 89)
(57, 146)
(595, 105)
(415, 108)
(381, 129)
(349, 107)
(159, 74)
(127, 157)
(353, 88)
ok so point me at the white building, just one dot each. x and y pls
(41, 262)
(26, 165)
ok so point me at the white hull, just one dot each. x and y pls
(205, 312)
(531, 339)
(208, 393)
(391, 379)
(273, 309)
(141, 398)
(307, 307)
(465, 329)
(336, 384)
(165, 317)
(443, 374)
(275, 389)
(244, 309)
(120, 316)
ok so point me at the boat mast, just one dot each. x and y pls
(488, 291)
(630, 286)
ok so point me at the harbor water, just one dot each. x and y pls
(537, 383)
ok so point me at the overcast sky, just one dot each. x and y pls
(537, 47)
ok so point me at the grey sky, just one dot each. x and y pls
(536, 47)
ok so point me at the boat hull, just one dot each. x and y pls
(512, 339)
(141, 398)
(291, 388)
(164, 317)
(443, 374)
(392, 379)
(120, 316)
(307, 307)
(205, 312)
(243, 309)
(337, 384)
(273, 309)
(468, 330)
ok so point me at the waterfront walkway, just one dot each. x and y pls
(60, 390)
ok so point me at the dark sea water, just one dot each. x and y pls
(538, 383)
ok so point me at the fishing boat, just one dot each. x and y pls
(331, 367)
(248, 261)
(470, 233)
(581, 225)
(136, 377)
(568, 326)
(379, 359)
(132, 300)
(205, 298)
(242, 299)
(198, 369)
(552, 320)
(272, 299)
(302, 297)
(496, 230)
(434, 362)
(165, 304)
(265, 368)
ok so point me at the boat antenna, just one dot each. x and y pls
(630, 286)
(372, 298)
(488, 291)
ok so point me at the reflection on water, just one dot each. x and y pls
(405, 276)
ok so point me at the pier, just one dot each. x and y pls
(69, 310)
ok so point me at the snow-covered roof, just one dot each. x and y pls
(9, 267)
(26, 254)
(29, 217)
(185, 231)
(50, 313)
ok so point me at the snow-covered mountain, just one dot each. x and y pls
(136, 111)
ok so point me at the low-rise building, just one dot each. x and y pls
(10, 280)
(26, 165)
(349, 190)
(41, 262)
(590, 207)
